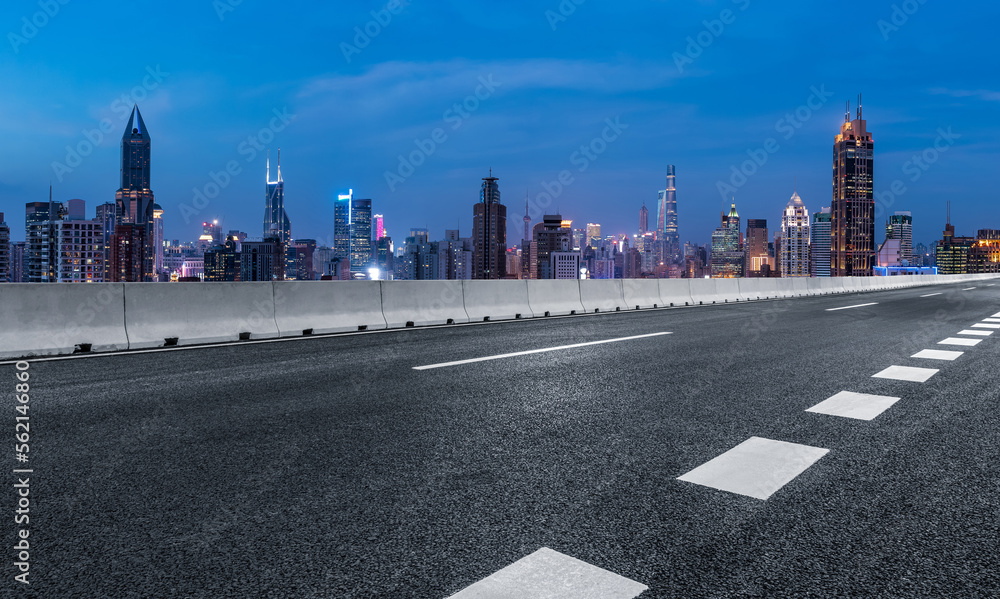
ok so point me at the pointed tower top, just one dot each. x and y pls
(796, 200)
(134, 129)
(279, 166)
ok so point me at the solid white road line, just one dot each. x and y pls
(938, 354)
(755, 468)
(986, 326)
(854, 405)
(536, 351)
(849, 307)
(977, 333)
(960, 341)
(932, 294)
(907, 373)
(548, 574)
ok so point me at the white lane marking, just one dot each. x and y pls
(933, 294)
(849, 307)
(756, 467)
(860, 406)
(907, 373)
(960, 341)
(548, 574)
(968, 289)
(938, 354)
(977, 333)
(993, 319)
(997, 315)
(536, 351)
(980, 325)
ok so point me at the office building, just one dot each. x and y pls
(262, 260)
(755, 249)
(360, 229)
(900, 226)
(107, 214)
(379, 223)
(819, 243)
(4, 250)
(134, 200)
(666, 222)
(18, 266)
(342, 225)
(853, 208)
(276, 223)
(727, 247)
(593, 235)
(222, 262)
(643, 219)
(794, 256)
(489, 233)
(553, 236)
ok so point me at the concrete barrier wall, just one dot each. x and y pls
(557, 298)
(327, 307)
(197, 313)
(642, 293)
(422, 303)
(599, 295)
(496, 300)
(677, 292)
(43, 319)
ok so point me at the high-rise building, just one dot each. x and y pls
(18, 266)
(126, 253)
(276, 223)
(984, 257)
(4, 251)
(953, 252)
(795, 239)
(361, 236)
(554, 236)
(41, 242)
(379, 222)
(643, 219)
(79, 250)
(222, 262)
(342, 225)
(594, 235)
(135, 201)
(489, 233)
(853, 209)
(526, 239)
(672, 251)
(727, 247)
(107, 215)
(158, 242)
(755, 249)
(303, 251)
(819, 243)
(900, 226)
(262, 260)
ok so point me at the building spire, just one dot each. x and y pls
(279, 165)
(269, 165)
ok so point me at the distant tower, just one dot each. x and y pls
(527, 222)
(643, 219)
(136, 256)
(157, 240)
(795, 239)
(489, 233)
(853, 209)
(900, 226)
(819, 243)
(276, 223)
(666, 222)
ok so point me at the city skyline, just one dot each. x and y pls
(535, 106)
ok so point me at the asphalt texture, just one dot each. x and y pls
(328, 467)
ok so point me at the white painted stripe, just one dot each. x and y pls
(548, 574)
(756, 468)
(980, 325)
(977, 333)
(997, 315)
(849, 307)
(933, 294)
(960, 341)
(536, 351)
(991, 320)
(968, 289)
(907, 373)
(854, 405)
(938, 354)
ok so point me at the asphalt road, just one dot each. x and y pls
(330, 467)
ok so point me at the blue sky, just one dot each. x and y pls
(211, 76)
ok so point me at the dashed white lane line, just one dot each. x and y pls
(536, 351)
(907, 373)
(548, 574)
(968, 289)
(860, 406)
(756, 468)
(977, 333)
(849, 307)
(960, 341)
(938, 354)
(933, 294)
(980, 325)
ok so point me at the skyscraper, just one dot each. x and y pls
(361, 235)
(643, 219)
(795, 239)
(489, 233)
(666, 222)
(158, 241)
(594, 235)
(379, 221)
(18, 265)
(727, 251)
(900, 226)
(527, 224)
(853, 208)
(819, 243)
(553, 242)
(276, 223)
(135, 201)
(755, 248)
(41, 247)
(107, 214)
(4, 251)
(342, 225)
(222, 262)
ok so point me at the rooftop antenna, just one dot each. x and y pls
(847, 111)
(859, 107)
(949, 212)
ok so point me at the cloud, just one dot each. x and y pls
(982, 94)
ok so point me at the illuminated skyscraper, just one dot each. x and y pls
(342, 225)
(157, 240)
(643, 219)
(107, 214)
(360, 230)
(594, 235)
(755, 248)
(489, 233)
(900, 226)
(853, 208)
(276, 223)
(135, 203)
(727, 248)
(819, 243)
(4, 251)
(795, 239)
(379, 221)
(666, 222)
